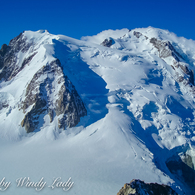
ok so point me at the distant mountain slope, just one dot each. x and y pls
(119, 104)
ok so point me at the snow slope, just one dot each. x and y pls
(138, 113)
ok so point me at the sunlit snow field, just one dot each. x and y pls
(135, 115)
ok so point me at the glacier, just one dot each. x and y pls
(126, 110)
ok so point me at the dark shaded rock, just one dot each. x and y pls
(30, 121)
(5, 99)
(138, 187)
(180, 79)
(27, 123)
(1, 62)
(137, 34)
(67, 104)
(3, 105)
(27, 60)
(165, 49)
(188, 72)
(62, 122)
(183, 168)
(19, 43)
(191, 79)
(108, 42)
(51, 114)
(8, 57)
(4, 49)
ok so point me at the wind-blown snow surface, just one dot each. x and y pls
(138, 114)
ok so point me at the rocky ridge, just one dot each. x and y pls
(138, 187)
(8, 55)
(166, 50)
(41, 96)
(168, 53)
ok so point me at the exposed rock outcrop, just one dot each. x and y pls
(166, 49)
(183, 168)
(5, 99)
(51, 114)
(190, 73)
(49, 91)
(108, 42)
(137, 34)
(137, 187)
(43, 98)
(9, 65)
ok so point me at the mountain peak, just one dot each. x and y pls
(126, 96)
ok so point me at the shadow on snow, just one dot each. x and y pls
(89, 85)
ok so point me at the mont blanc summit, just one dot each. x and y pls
(103, 110)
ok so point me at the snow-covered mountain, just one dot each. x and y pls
(102, 110)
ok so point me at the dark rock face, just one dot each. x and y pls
(27, 60)
(51, 114)
(188, 72)
(66, 104)
(31, 119)
(183, 168)
(137, 34)
(165, 50)
(138, 187)
(107, 42)
(49, 92)
(4, 49)
(8, 57)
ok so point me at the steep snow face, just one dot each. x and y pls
(125, 99)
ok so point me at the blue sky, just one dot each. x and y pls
(77, 18)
